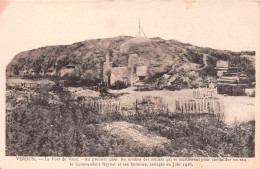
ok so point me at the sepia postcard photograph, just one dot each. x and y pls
(155, 80)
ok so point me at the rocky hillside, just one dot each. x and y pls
(171, 63)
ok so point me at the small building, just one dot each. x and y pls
(221, 67)
(222, 64)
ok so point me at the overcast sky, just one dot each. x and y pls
(221, 25)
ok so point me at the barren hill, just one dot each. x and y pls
(171, 63)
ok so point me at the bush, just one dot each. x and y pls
(119, 85)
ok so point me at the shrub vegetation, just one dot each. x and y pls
(39, 126)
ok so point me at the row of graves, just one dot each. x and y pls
(203, 101)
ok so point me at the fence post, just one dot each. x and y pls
(189, 107)
(177, 106)
(105, 108)
(110, 107)
(186, 107)
(203, 108)
(119, 107)
(136, 106)
(167, 108)
(199, 103)
(196, 106)
(206, 106)
(209, 106)
(183, 106)
(102, 107)
(213, 107)
(193, 111)
(203, 103)
(180, 107)
(99, 107)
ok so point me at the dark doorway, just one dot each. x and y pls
(108, 80)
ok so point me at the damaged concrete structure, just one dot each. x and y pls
(135, 71)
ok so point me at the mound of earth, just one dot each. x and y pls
(135, 133)
(171, 63)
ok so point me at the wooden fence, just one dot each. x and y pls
(204, 93)
(110, 106)
(198, 106)
(102, 106)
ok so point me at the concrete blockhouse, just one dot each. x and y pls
(141, 72)
(122, 74)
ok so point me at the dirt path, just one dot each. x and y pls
(135, 133)
(238, 108)
(205, 56)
